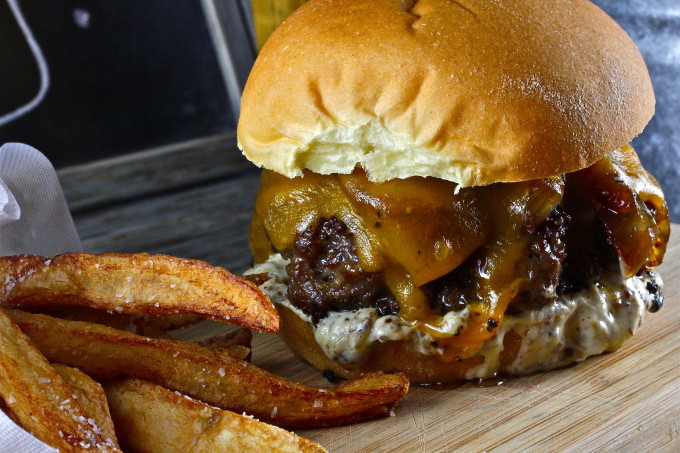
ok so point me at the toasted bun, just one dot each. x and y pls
(473, 91)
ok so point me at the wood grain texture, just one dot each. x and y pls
(626, 401)
(208, 222)
(152, 172)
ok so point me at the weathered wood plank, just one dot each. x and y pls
(208, 222)
(151, 172)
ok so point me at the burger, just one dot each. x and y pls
(447, 186)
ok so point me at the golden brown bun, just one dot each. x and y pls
(420, 369)
(473, 91)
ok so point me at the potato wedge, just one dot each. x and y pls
(236, 350)
(155, 326)
(91, 396)
(5, 409)
(139, 408)
(135, 284)
(218, 379)
(237, 343)
(42, 402)
(240, 337)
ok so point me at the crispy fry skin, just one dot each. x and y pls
(155, 326)
(140, 408)
(240, 337)
(135, 284)
(91, 396)
(5, 409)
(216, 378)
(237, 343)
(40, 399)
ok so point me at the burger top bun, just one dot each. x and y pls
(471, 91)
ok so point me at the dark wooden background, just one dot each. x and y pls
(192, 200)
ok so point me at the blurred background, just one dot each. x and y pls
(135, 100)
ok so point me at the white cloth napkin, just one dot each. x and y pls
(34, 218)
(9, 208)
(45, 226)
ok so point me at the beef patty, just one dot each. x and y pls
(326, 275)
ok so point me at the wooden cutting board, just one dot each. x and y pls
(626, 401)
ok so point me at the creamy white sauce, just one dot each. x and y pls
(597, 319)
(575, 326)
(277, 285)
(346, 337)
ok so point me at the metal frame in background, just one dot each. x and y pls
(231, 28)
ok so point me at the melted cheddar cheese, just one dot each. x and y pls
(415, 231)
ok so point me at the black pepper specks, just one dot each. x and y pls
(491, 324)
(652, 288)
(330, 376)
(656, 299)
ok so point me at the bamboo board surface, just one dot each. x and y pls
(627, 401)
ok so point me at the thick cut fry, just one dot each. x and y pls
(91, 396)
(135, 284)
(155, 326)
(39, 398)
(218, 379)
(237, 343)
(236, 350)
(152, 419)
(240, 337)
(5, 409)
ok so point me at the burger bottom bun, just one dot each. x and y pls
(393, 355)
(427, 369)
